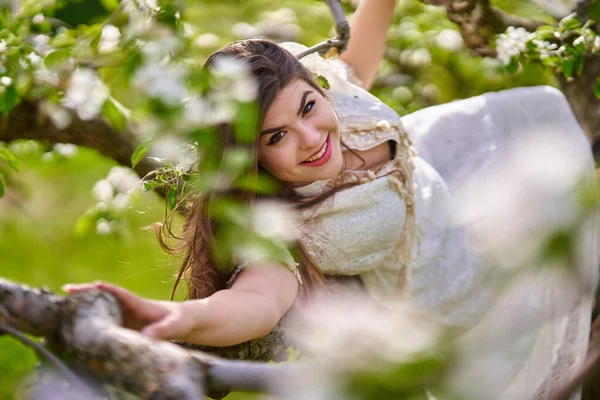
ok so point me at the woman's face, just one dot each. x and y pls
(300, 136)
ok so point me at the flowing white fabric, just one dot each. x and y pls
(496, 181)
(514, 161)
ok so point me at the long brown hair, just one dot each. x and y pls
(273, 68)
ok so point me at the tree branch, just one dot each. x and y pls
(87, 326)
(479, 21)
(26, 122)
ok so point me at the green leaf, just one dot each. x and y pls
(322, 81)
(56, 59)
(568, 66)
(597, 87)
(150, 185)
(1, 189)
(172, 197)
(579, 62)
(246, 123)
(8, 99)
(513, 66)
(110, 5)
(10, 159)
(140, 152)
(84, 225)
(569, 23)
(114, 114)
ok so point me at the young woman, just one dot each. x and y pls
(374, 215)
(299, 143)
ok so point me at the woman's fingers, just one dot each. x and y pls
(129, 301)
(77, 287)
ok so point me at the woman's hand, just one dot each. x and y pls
(158, 319)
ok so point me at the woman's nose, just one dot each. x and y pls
(310, 137)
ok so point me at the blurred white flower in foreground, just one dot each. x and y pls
(123, 179)
(450, 40)
(233, 79)
(175, 150)
(103, 191)
(511, 43)
(67, 150)
(164, 83)
(86, 94)
(206, 40)
(515, 204)
(103, 227)
(109, 39)
(351, 335)
(38, 19)
(60, 117)
(274, 220)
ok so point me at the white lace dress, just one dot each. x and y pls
(443, 228)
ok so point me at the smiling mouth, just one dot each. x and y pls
(318, 155)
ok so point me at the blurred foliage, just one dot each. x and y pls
(426, 64)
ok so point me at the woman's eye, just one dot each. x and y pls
(309, 106)
(276, 137)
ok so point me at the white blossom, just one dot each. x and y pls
(41, 44)
(544, 47)
(67, 150)
(282, 16)
(596, 44)
(229, 66)
(244, 30)
(173, 149)
(163, 83)
(211, 110)
(109, 39)
(103, 227)
(34, 59)
(511, 43)
(60, 117)
(122, 201)
(38, 19)
(206, 40)
(123, 179)
(103, 190)
(3, 46)
(274, 220)
(161, 48)
(450, 40)
(421, 57)
(6, 81)
(86, 94)
(244, 89)
(580, 40)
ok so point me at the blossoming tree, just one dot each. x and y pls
(132, 87)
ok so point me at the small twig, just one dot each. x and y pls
(342, 28)
(60, 366)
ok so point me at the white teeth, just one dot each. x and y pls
(318, 155)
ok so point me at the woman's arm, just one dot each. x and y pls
(368, 33)
(258, 299)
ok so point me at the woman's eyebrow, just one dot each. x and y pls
(303, 101)
(302, 104)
